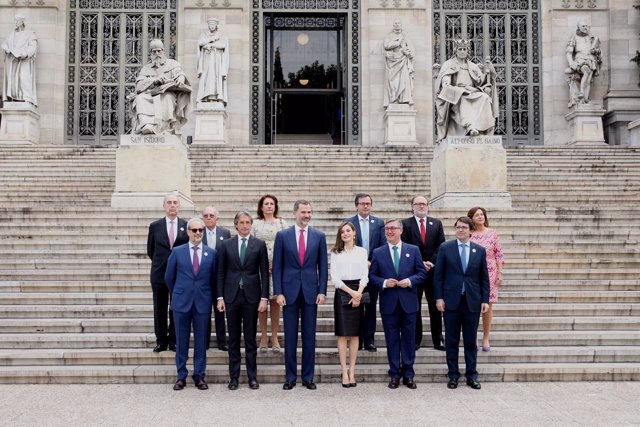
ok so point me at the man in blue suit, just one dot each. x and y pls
(369, 235)
(300, 282)
(462, 293)
(396, 269)
(191, 277)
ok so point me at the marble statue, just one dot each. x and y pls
(584, 57)
(398, 54)
(213, 64)
(20, 49)
(467, 96)
(162, 96)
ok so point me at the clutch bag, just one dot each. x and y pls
(345, 298)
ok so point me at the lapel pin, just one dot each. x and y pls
(407, 255)
(220, 237)
(181, 228)
(372, 221)
(430, 222)
(206, 254)
(473, 250)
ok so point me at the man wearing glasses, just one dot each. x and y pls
(369, 235)
(396, 270)
(191, 278)
(427, 234)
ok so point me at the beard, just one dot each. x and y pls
(158, 60)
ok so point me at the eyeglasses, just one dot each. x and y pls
(392, 228)
(196, 230)
(466, 227)
(209, 216)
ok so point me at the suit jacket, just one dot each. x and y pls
(289, 276)
(376, 232)
(158, 249)
(254, 273)
(411, 267)
(435, 236)
(449, 276)
(187, 288)
(221, 235)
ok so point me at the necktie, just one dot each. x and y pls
(423, 232)
(172, 231)
(243, 250)
(396, 259)
(196, 261)
(301, 248)
(463, 260)
(364, 229)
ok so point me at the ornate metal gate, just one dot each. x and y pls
(508, 32)
(108, 44)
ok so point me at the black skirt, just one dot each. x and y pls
(347, 317)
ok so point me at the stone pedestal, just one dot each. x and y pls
(400, 125)
(211, 118)
(148, 167)
(634, 133)
(585, 125)
(20, 123)
(469, 171)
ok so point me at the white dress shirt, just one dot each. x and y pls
(351, 265)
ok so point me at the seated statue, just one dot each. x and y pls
(467, 96)
(584, 57)
(162, 97)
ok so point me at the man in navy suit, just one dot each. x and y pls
(300, 282)
(396, 269)
(243, 292)
(213, 235)
(462, 293)
(427, 234)
(369, 235)
(191, 277)
(164, 234)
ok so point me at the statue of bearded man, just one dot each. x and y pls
(20, 48)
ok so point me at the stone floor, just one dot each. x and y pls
(497, 404)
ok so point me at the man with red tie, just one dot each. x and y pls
(300, 273)
(427, 234)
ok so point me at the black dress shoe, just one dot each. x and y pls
(179, 385)
(474, 384)
(201, 384)
(452, 384)
(310, 385)
(233, 384)
(159, 348)
(417, 347)
(372, 348)
(253, 385)
(288, 385)
(410, 383)
(223, 347)
(172, 347)
(439, 347)
(394, 383)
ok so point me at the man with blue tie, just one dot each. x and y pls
(462, 293)
(396, 269)
(191, 278)
(300, 273)
(369, 235)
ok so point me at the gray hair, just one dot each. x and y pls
(240, 214)
(297, 204)
(194, 219)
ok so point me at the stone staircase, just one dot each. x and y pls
(75, 303)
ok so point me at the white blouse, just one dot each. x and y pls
(352, 265)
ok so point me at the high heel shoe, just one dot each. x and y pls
(345, 385)
(354, 383)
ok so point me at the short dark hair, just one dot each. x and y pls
(239, 214)
(465, 220)
(362, 196)
(261, 201)
(297, 204)
(339, 246)
(473, 211)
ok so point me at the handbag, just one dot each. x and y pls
(345, 298)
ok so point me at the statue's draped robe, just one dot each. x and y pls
(213, 66)
(20, 74)
(399, 85)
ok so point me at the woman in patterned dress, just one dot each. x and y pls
(265, 228)
(489, 239)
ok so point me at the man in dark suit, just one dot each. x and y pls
(191, 277)
(462, 293)
(243, 291)
(164, 234)
(300, 282)
(369, 235)
(214, 235)
(396, 269)
(427, 234)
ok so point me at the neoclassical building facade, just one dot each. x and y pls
(313, 70)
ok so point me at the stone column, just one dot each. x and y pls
(400, 125)
(148, 167)
(634, 133)
(469, 171)
(20, 123)
(211, 118)
(585, 125)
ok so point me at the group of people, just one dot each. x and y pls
(270, 266)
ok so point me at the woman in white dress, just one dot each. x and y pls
(265, 228)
